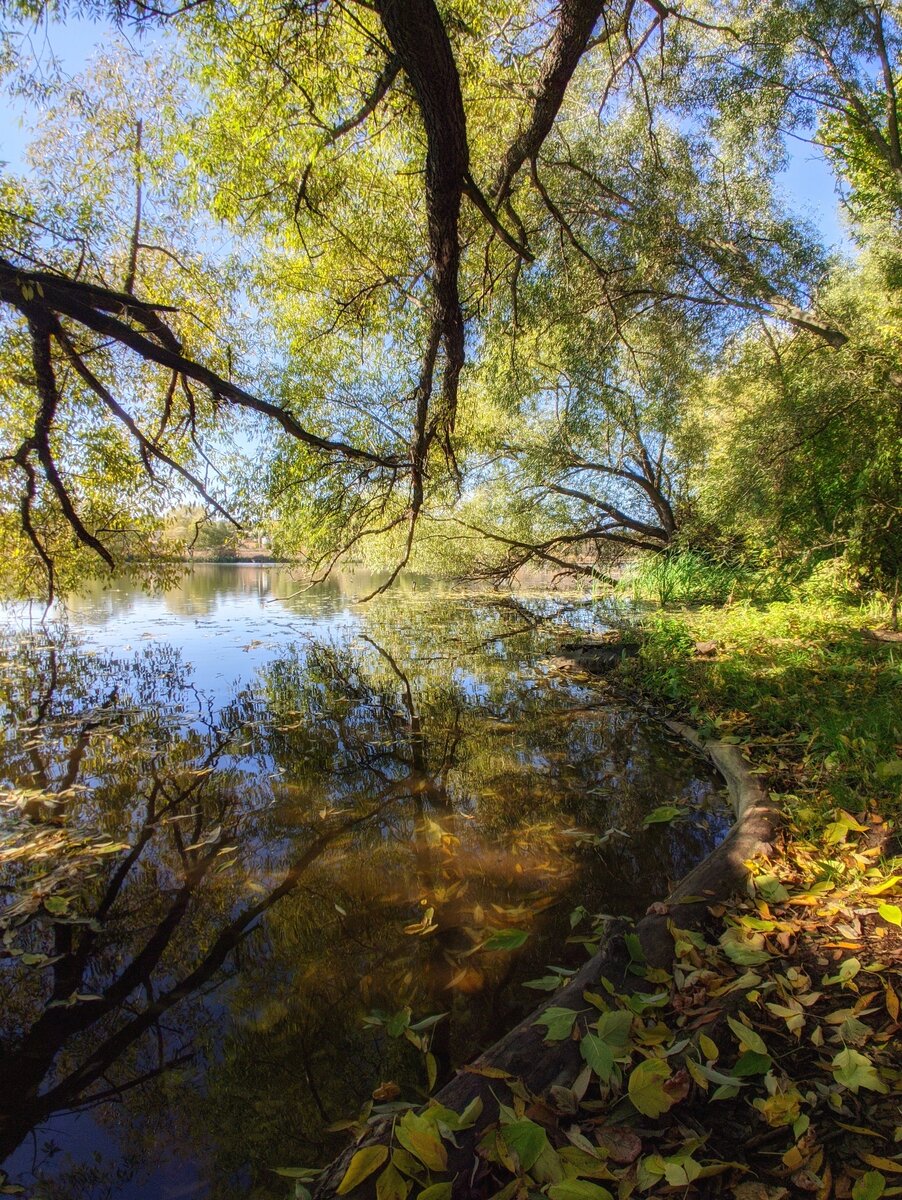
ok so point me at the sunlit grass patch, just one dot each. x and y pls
(806, 686)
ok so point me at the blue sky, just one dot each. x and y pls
(808, 183)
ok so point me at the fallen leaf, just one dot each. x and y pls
(361, 1166)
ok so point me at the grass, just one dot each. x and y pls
(814, 697)
(686, 577)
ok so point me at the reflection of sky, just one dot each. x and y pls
(224, 635)
(524, 775)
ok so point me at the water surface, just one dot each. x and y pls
(254, 835)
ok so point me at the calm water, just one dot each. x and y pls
(254, 834)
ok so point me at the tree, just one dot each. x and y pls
(559, 195)
(803, 456)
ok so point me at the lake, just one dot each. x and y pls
(253, 837)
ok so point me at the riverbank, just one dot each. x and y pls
(758, 1061)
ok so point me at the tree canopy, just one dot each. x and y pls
(475, 285)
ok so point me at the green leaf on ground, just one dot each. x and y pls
(597, 1053)
(746, 1037)
(870, 1186)
(578, 1189)
(646, 1087)
(558, 1023)
(526, 1139)
(854, 1071)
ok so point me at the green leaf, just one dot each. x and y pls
(716, 1076)
(558, 1023)
(854, 1071)
(361, 1166)
(888, 769)
(681, 1169)
(614, 1029)
(662, 815)
(468, 1118)
(391, 1184)
(407, 1164)
(420, 1137)
(428, 1022)
(770, 888)
(305, 1174)
(526, 1139)
(870, 1186)
(746, 950)
(578, 1189)
(747, 1037)
(752, 1063)
(646, 1087)
(548, 983)
(397, 1023)
(598, 1054)
(436, 1191)
(891, 913)
(506, 939)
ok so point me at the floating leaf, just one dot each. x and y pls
(680, 1170)
(614, 1028)
(662, 815)
(361, 1166)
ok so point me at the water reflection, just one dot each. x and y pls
(206, 894)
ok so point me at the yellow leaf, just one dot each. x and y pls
(696, 1073)
(862, 1129)
(708, 1048)
(746, 1037)
(882, 1164)
(646, 1087)
(391, 1185)
(419, 1137)
(892, 1002)
(793, 1158)
(361, 1166)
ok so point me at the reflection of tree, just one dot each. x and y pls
(277, 850)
